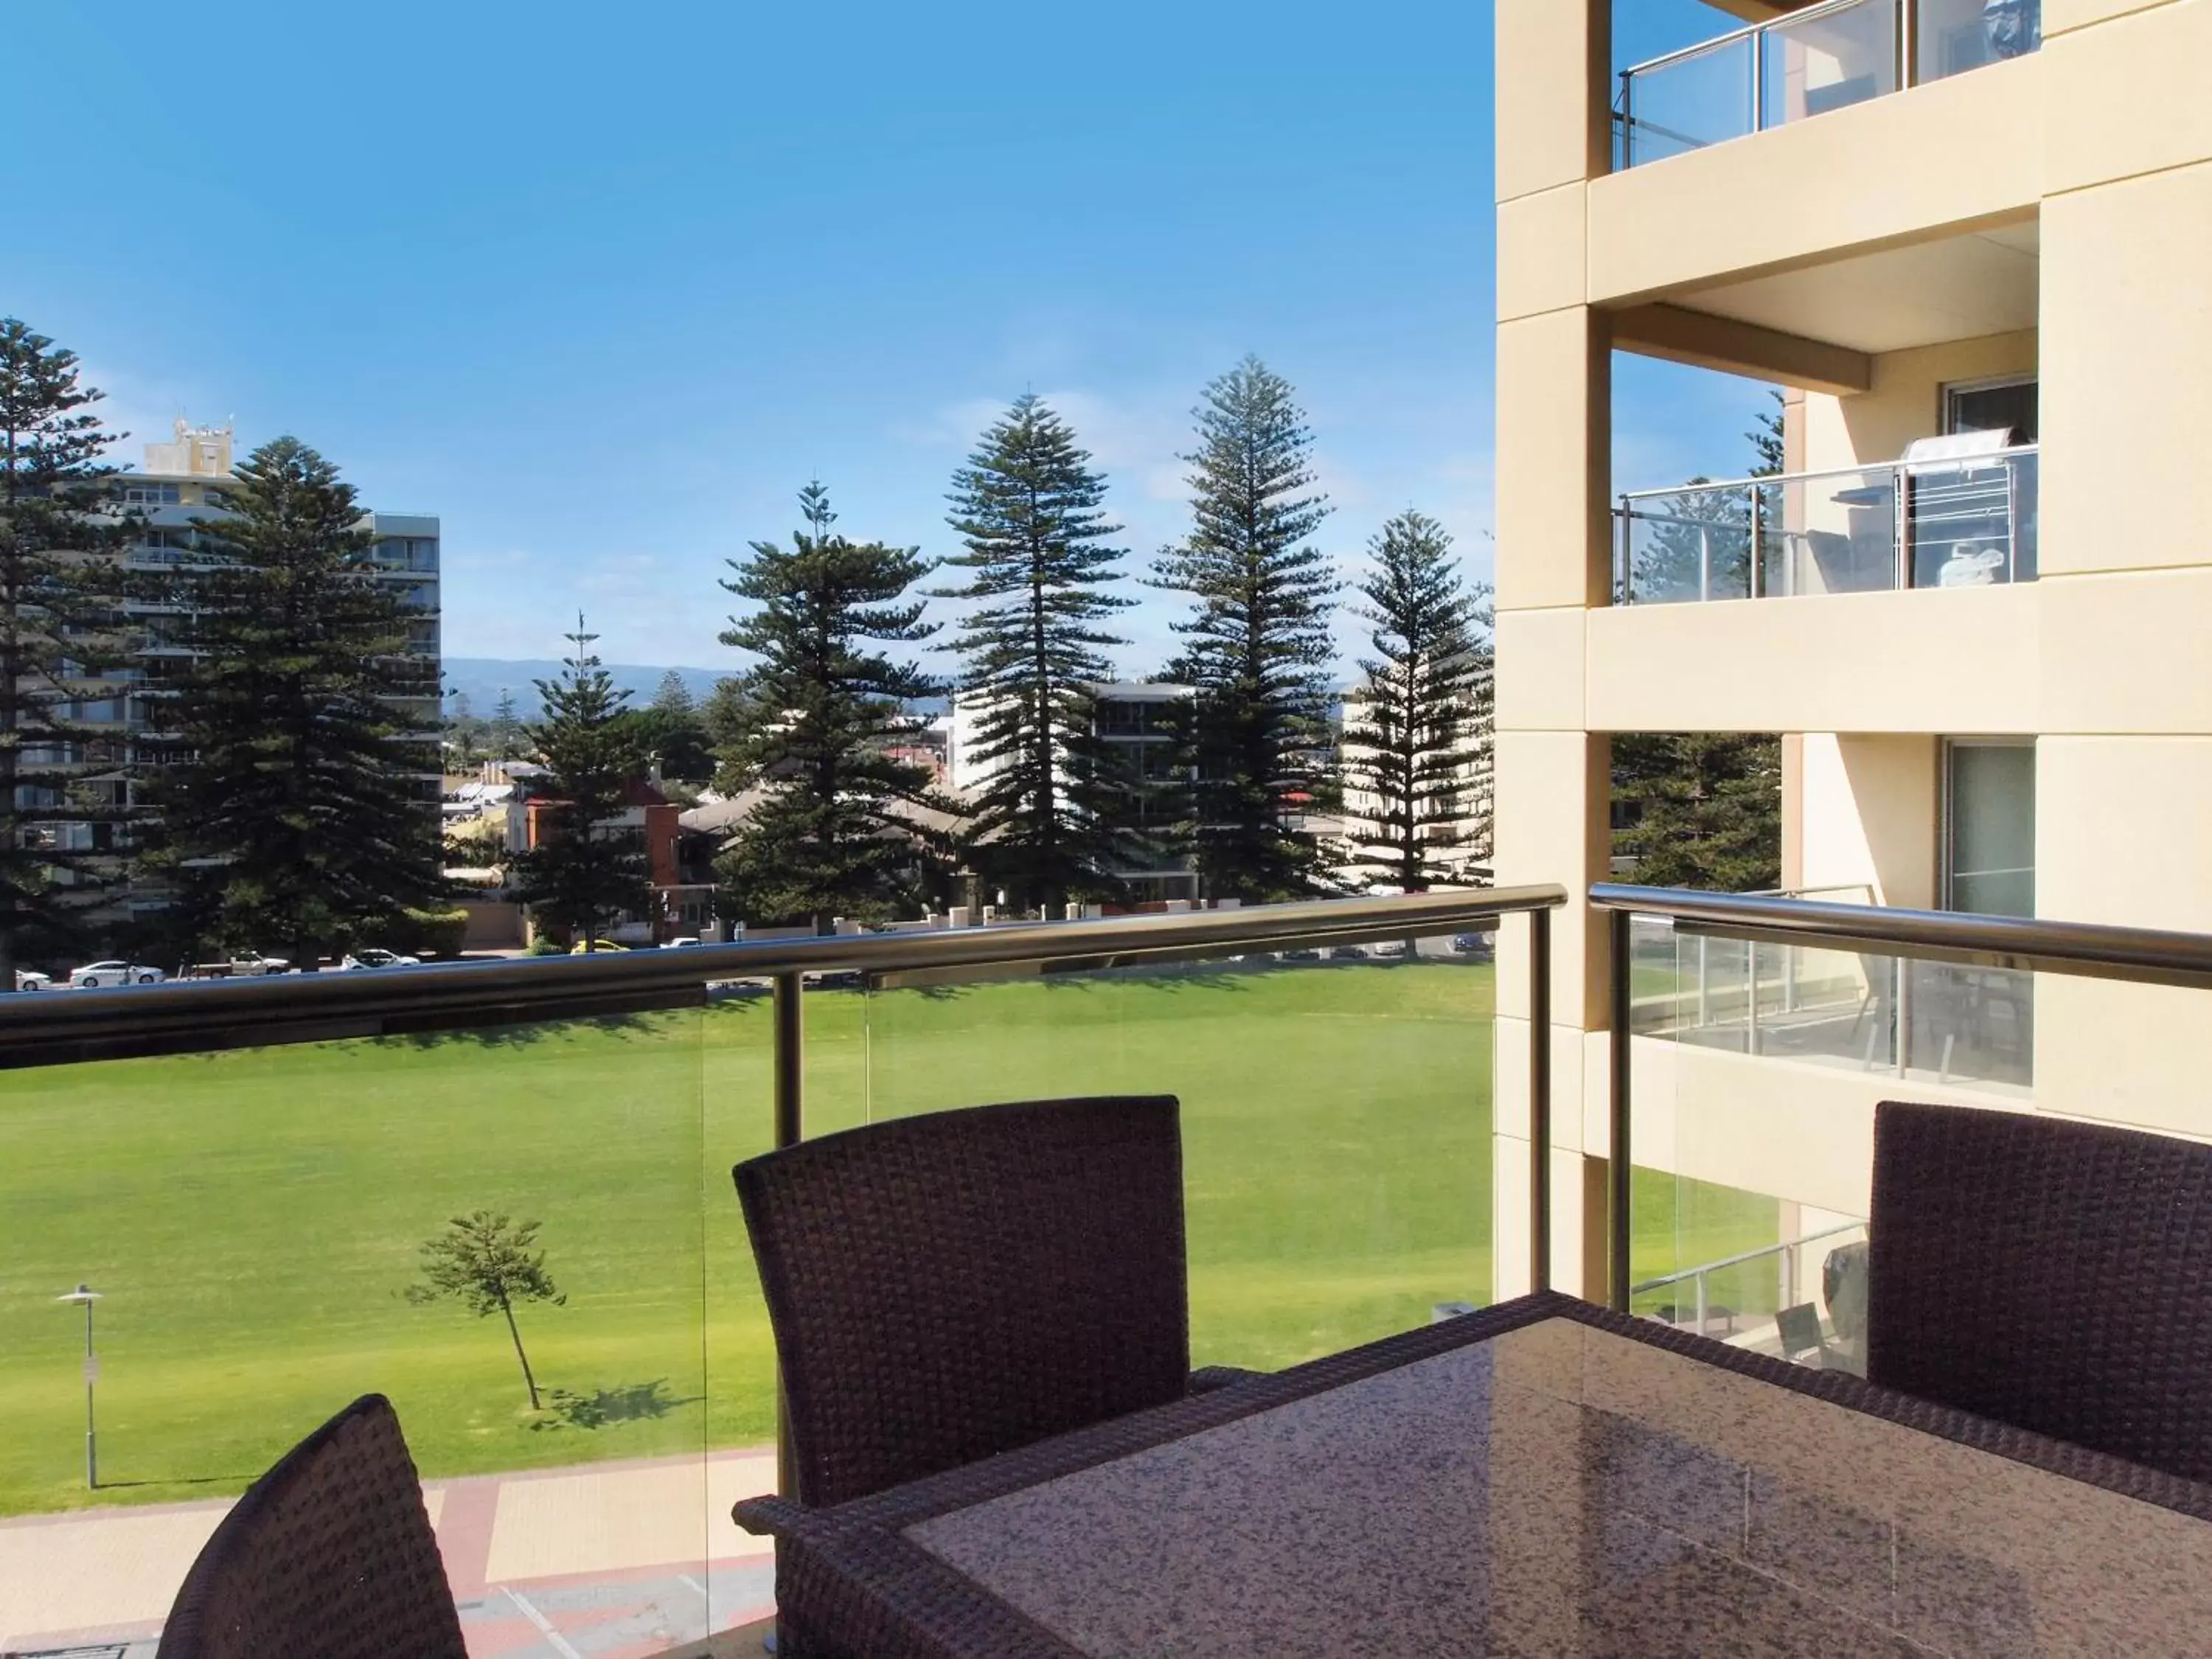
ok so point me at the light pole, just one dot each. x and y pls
(86, 1295)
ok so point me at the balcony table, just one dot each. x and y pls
(1542, 1478)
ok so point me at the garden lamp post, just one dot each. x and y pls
(85, 1296)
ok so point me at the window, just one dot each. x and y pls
(1989, 406)
(151, 494)
(1988, 826)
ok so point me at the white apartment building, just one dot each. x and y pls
(1968, 239)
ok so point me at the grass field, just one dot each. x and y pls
(254, 1218)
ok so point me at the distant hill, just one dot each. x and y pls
(481, 678)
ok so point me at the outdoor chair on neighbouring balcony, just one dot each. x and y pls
(2052, 1275)
(960, 1284)
(330, 1555)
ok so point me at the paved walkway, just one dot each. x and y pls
(606, 1561)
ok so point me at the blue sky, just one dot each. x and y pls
(603, 288)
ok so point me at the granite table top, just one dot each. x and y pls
(1547, 1479)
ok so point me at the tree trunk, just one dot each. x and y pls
(507, 1307)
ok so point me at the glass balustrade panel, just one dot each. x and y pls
(1958, 35)
(1688, 102)
(1336, 1118)
(1740, 1199)
(1828, 533)
(1687, 545)
(273, 1232)
(1829, 61)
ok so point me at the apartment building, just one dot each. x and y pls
(121, 710)
(1932, 224)
(1130, 717)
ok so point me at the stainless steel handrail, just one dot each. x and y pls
(2085, 950)
(1917, 469)
(46, 1026)
(1805, 15)
(1742, 1256)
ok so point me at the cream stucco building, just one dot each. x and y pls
(1936, 226)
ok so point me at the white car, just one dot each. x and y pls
(358, 960)
(28, 980)
(95, 975)
(684, 943)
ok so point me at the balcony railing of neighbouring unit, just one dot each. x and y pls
(1956, 521)
(1820, 58)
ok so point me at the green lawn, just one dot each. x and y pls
(254, 1218)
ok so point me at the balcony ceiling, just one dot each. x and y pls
(1959, 288)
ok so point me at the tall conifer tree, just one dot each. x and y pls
(813, 723)
(1257, 645)
(1417, 733)
(586, 871)
(1048, 823)
(298, 809)
(57, 616)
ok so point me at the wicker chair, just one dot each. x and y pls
(330, 1555)
(2055, 1276)
(951, 1285)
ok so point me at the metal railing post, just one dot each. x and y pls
(1705, 562)
(787, 1129)
(1904, 1037)
(1757, 550)
(1908, 43)
(1757, 124)
(1625, 552)
(1701, 1302)
(1902, 506)
(1540, 1100)
(1628, 119)
(2012, 520)
(1617, 1178)
(1750, 997)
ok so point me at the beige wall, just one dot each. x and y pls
(2101, 145)
(1907, 401)
(1865, 815)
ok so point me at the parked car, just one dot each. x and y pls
(1300, 955)
(1471, 945)
(597, 945)
(684, 943)
(95, 975)
(370, 957)
(1388, 949)
(28, 979)
(254, 962)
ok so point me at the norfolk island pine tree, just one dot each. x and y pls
(58, 530)
(1418, 732)
(292, 805)
(1255, 739)
(1049, 824)
(812, 724)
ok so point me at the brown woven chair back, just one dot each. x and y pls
(2054, 1276)
(330, 1555)
(951, 1285)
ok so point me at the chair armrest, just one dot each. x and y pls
(768, 1516)
(1207, 1378)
